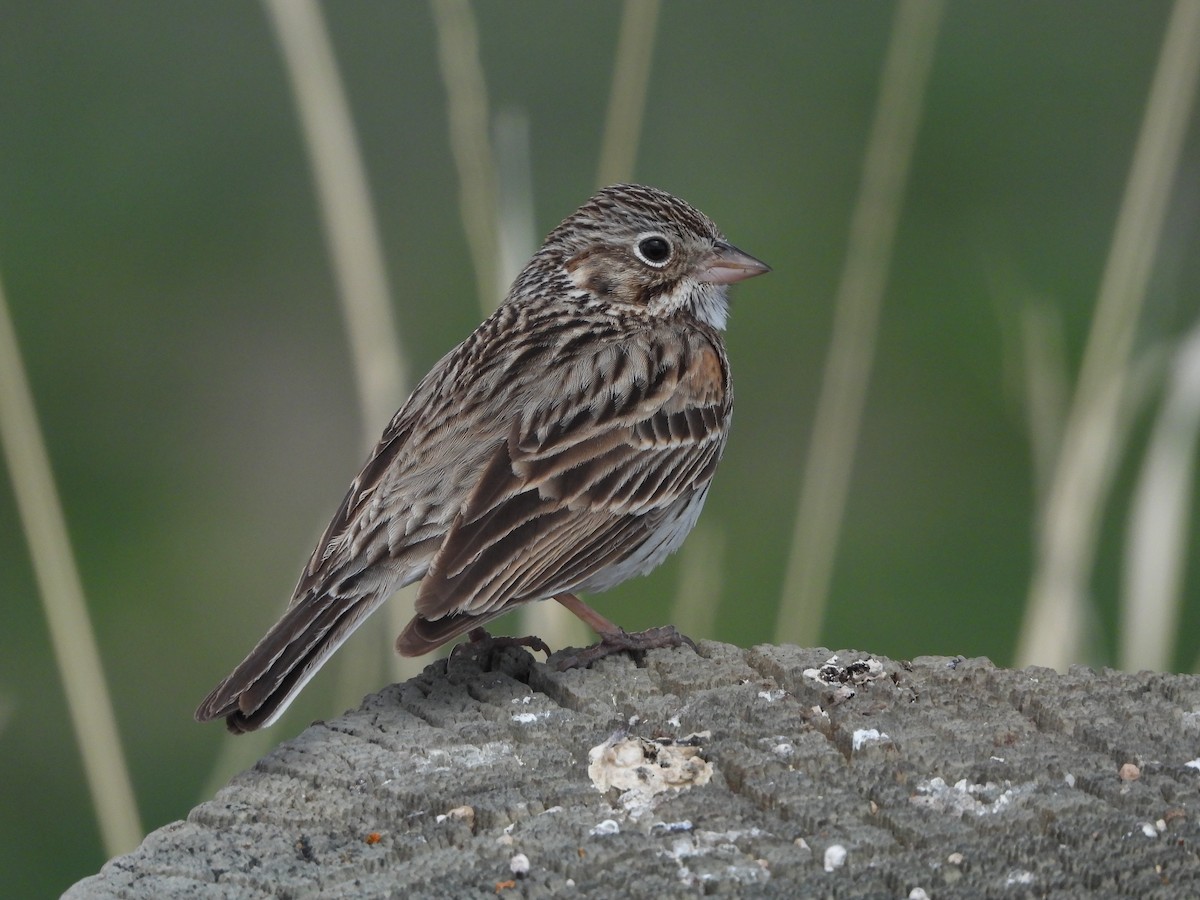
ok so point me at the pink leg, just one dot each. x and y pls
(613, 638)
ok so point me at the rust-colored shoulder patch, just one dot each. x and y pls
(706, 376)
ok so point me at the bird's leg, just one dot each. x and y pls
(613, 638)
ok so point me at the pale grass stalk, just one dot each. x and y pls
(354, 246)
(1035, 371)
(1045, 372)
(516, 229)
(470, 144)
(71, 636)
(347, 216)
(1054, 627)
(701, 564)
(495, 189)
(1156, 545)
(857, 307)
(517, 233)
(627, 96)
(236, 754)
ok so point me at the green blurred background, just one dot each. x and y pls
(169, 283)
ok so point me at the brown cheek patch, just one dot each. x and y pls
(581, 269)
(606, 274)
(601, 285)
(592, 271)
(578, 260)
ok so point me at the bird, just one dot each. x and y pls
(565, 446)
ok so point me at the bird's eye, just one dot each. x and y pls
(654, 250)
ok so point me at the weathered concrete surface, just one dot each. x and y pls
(950, 777)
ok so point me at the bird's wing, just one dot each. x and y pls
(388, 524)
(583, 481)
(356, 523)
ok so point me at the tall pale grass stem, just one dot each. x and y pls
(857, 307)
(71, 634)
(354, 244)
(235, 754)
(1056, 616)
(1156, 545)
(470, 143)
(516, 227)
(1046, 384)
(495, 189)
(517, 233)
(701, 568)
(627, 96)
(347, 216)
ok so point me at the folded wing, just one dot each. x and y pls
(585, 492)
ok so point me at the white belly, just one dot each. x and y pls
(678, 524)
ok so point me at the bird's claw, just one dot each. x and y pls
(481, 645)
(622, 641)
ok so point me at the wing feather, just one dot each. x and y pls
(587, 485)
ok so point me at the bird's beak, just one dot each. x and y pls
(728, 264)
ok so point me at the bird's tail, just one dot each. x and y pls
(258, 691)
(423, 635)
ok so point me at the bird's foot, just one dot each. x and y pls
(621, 641)
(481, 646)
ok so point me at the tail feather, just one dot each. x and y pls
(258, 691)
(421, 635)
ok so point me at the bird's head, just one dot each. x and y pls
(639, 248)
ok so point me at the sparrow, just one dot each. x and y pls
(564, 447)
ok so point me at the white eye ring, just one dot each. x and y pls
(653, 249)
